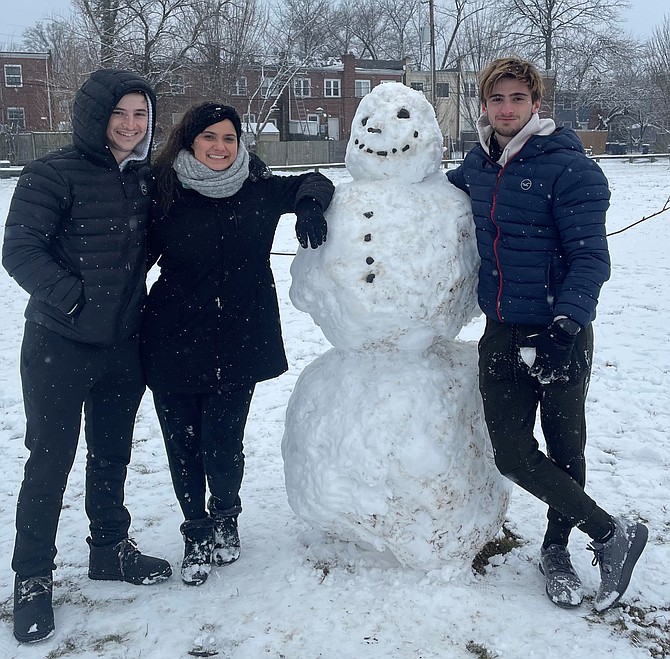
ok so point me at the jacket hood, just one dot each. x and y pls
(93, 105)
(535, 126)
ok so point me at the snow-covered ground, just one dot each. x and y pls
(297, 595)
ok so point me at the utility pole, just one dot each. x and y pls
(459, 93)
(431, 17)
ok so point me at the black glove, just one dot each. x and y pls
(311, 225)
(553, 351)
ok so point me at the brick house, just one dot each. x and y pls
(305, 103)
(26, 102)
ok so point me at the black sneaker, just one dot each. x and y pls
(226, 540)
(124, 562)
(617, 558)
(563, 585)
(33, 610)
(198, 540)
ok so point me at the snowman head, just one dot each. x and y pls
(394, 134)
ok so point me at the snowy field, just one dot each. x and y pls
(297, 595)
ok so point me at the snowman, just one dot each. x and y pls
(384, 442)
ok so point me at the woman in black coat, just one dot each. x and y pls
(211, 328)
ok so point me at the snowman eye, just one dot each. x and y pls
(403, 114)
(364, 121)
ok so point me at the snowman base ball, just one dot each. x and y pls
(408, 469)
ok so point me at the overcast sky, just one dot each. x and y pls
(17, 15)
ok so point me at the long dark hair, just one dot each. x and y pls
(195, 120)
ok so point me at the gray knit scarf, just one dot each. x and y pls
(208, 182)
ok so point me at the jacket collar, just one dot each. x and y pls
(535, 126)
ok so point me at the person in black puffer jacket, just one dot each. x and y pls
(539, 207)
(75, 240)
(211, 328)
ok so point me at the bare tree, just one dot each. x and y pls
(103, 17)
(658, 58)
(450, 21)
(229, 35)
(71, 55)
(152, 37)
(302, 29)
(71, 58)
(483, 36)
(274, 83)
(298, 36)
(544, 25)
(403, 37)
(622, 95)
(369, 25)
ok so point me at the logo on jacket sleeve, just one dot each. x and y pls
(526, 184)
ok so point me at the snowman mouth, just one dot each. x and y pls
(362, 147)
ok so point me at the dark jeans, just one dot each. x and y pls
(511, 398)
(59, 376)
(203, 436)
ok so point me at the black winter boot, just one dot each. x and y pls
(198, 540)
(33, 610)
(226, 540)
(124, 562)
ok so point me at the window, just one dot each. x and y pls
(567, 103)
(361, 88)
(470, 90)
(331, 88)
(267, 87)
(177, 86)
(16, 118)
(13, 75)
(241, 86)
(248, 118)
(416, 85)
(302, 87)
(442, 89)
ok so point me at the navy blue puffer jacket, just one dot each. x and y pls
(75, 236)
(540, 225)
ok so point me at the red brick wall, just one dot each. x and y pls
(33, 95)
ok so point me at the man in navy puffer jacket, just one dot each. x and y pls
(75, 240)
(539, 206)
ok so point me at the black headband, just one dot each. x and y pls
(208, 114)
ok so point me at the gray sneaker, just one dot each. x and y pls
(617, 558)
(563, 585)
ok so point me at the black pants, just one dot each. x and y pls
(204, 436)
(59, 376)
(511, 398)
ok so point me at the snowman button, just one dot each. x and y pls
(368, 237)
(370, 278)
(369, 260)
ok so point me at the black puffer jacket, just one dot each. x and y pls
(212, 318)
(76, 230)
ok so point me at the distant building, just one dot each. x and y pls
(303, 103)
(26, 103)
